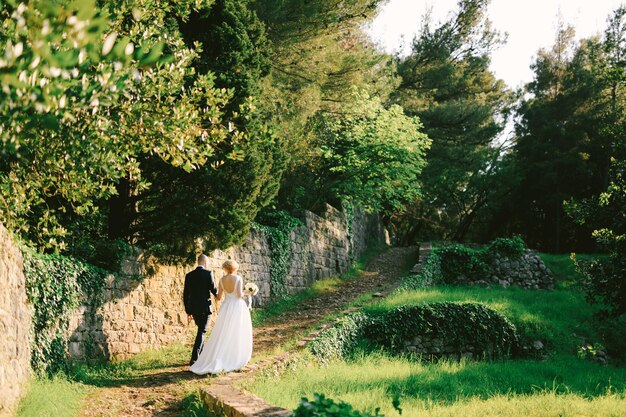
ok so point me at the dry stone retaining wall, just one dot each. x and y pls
(527, 271)
(141, 307)
(15, 323)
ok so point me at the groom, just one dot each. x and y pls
(199, 285)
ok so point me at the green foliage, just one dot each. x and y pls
(431, 274)
(321, 406)
(217, 202)
(56, 285)
(93, 94)
(572, 121)
(339, 340)
(513, 247)
(458, 324)
(461, 263)
(370, 155)
(447, 83)
(278, 232)
(193, 406)
(234, 47)
(604, 277)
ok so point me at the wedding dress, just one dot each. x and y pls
(229, 346)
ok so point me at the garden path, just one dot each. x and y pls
(165, 391)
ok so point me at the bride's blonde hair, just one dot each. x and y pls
(230, 266)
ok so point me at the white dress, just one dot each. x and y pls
(229, 346)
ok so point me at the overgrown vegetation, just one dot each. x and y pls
(56, 285)
(459, 262)
(461, 325)
(278, 228)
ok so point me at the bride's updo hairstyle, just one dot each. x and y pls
(230, 266)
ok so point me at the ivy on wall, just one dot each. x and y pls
(55, 286)
(278, 234)
(459, 324)
(429, 275)
(459, 262)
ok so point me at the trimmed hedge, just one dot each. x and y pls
(460, 325)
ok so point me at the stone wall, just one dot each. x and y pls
(527, 271)
(141, 306)
(15, 323)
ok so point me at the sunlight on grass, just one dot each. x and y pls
(560, 385)
(52, 398)
(446, 388)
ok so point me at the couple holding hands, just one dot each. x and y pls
(229, 346)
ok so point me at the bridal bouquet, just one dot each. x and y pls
(251, 288)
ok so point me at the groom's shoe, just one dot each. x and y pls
(191, 362)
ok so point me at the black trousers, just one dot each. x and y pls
(202, 321)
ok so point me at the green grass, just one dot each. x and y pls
(560, 385)
(563, 267)
(372, 381)
(63, 395)
(120, 372)
(56, 397)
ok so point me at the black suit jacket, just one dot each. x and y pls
(199, 285)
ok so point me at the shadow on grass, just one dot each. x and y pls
(151, 368)
(190, 406)
(380, 376)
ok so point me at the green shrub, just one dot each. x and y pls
(339, 340)
(429, 275)
(457, 324)
(55, 286)
(460, 263)
(513, 247)
(325, 407)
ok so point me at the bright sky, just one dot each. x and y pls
(530, 24)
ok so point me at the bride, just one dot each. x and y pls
(229, 346)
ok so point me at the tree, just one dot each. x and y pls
(215, 204)
(370, 155)
(447, 83)
(604, 211)
(567, 133)
(70, 85)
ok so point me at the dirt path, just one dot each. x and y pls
(164, 392)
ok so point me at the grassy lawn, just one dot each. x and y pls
(56, 397)
(560, 385)
(513, 388)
